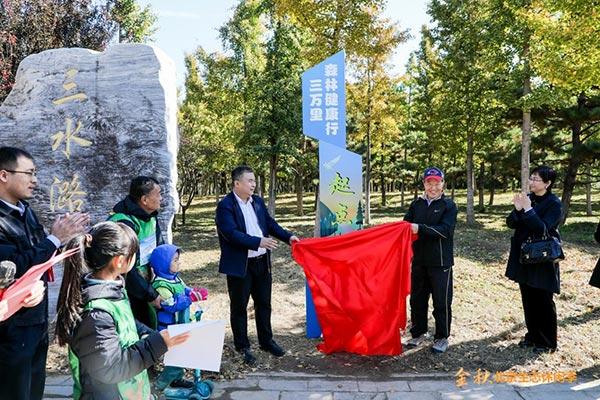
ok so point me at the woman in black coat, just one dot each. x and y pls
(533, 215)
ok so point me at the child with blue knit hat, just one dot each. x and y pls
(175, 306)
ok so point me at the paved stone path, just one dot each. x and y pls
(293, 386)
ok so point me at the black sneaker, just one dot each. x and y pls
(248, 356)
(182, 383)
(274, 349)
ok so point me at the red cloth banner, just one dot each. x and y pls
(359, 282)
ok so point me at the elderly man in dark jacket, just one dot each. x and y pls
(244, 226)
(139, 211)
(534, 215)
(434, 218)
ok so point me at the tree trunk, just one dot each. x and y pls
(588, 199)
(216, 185)
(403, 182)
(368, 158)
(417, 187)
(183, 211)
(481, 186)
(272, 183)
(383, 191)
(317, 227)
(575, 161)
(224, 183)
(402, 192)
(470, 200)
(526, 126)
(452, 193)
(492, 183)
(299, 194)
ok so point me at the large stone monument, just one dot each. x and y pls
(93, 121)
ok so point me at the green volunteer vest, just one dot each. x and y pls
(136, 388)
(168, 289)
(146, 233)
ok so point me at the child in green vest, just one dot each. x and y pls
(107, 357)
(175, 306)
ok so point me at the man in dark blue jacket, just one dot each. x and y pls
(244, 227)
(433, 218)
(23, 240)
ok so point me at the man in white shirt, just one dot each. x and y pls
(244, 227)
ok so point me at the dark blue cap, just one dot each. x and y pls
(433, 172)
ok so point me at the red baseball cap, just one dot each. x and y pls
(433, 173)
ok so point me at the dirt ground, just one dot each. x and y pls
(487, 314)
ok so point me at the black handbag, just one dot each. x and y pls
(541, 250)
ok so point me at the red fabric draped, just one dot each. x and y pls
(359, 283)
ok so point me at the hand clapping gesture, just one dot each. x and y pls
(521, 201)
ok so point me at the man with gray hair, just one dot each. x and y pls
(433, 218)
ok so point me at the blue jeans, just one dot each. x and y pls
(168, 375)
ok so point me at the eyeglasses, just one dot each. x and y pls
(534, 179)
(30, 173)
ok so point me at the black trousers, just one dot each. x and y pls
(540, 316)
(256, 283)
(435, 282)
(23, 351)
(141, 310)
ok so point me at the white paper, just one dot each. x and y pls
(204, 348)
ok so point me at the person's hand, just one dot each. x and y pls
(36, 295)
(293, 239)
(268, 243)
(525, 202)
(198, 294)
(414, 228)
(172, 341)
(517, 201)
(67, 226)
(3, 308)
(156, 302)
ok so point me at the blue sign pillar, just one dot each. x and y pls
(340, 171)
(324, 101)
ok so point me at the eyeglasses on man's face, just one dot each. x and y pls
(535, 179)
(30, 173)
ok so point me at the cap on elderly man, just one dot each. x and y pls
(433, 173)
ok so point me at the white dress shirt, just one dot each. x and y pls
(252, 227)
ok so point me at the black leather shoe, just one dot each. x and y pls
(274, 349)
(541, 350)
(248, 356)
(525, 343)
